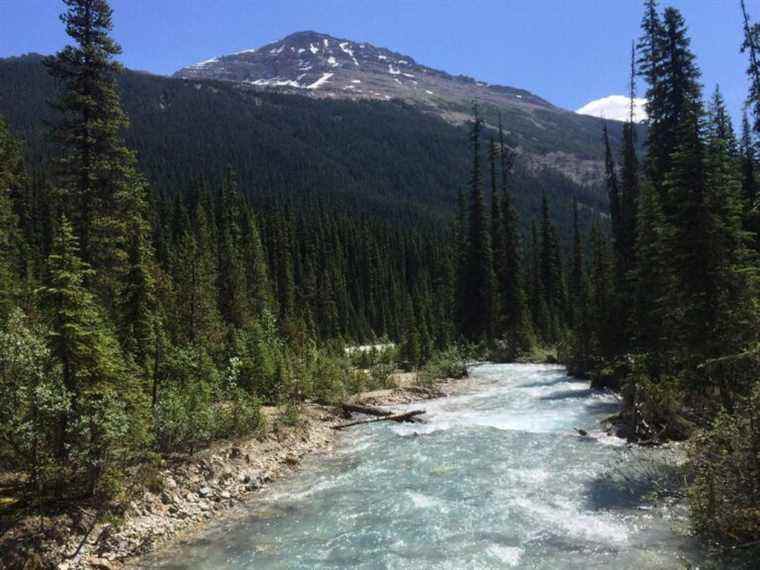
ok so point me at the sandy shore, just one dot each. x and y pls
(192, 491)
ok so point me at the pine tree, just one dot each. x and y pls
(518, 329)
(138, 304)
(197, 316)
(750, 194)
(92, 368)
(497, 242)
(748, 161)
(688, 247)
(11, 181)
(650, 278)
(478, 280)
(538, 309)
(650, 49)
(720, 126)
(231, 276)
(601, 307)
(629, 191)
(99, 187)
(669, 66)
(552, 282)
(577, 272)
(751, 46)
(728, 256)
(613, 191)
(255, 262)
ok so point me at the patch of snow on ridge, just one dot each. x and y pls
(349, 51)
(321, 81)
(313, 49)
(205, 63)
(392, 70)
(275, 82)
(332, 61)
(615, 108)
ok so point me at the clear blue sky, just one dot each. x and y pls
(567, 51)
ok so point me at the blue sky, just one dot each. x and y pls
(567, 51)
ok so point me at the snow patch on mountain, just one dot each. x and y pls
(344, 47)
(321, 81)
(615, 108)
(201, 64)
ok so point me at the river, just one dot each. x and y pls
(497, 478)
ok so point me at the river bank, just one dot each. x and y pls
(189, 492)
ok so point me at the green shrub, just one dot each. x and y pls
(725, 494)
(652, 408)
(449, 363)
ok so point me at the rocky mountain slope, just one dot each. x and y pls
(322, 66)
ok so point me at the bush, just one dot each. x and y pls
(653, 409)
(192, 411)
(449, 363)
(262, 352)
(33, 400)
(725, 494)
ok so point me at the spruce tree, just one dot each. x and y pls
(751, 46)
(613, 190)
(748, 152)
(537, 296)
(138, 305)
(650, 64)
(511, 280)
(11, 182)
(195, 304)
(99, 188)
(629, 190)
(719, 125)
(688, 247)
(497, 241)
(478, 279)
(231, 276)
(577, 271)
(650, 278)
(601, 309)
(93, 371)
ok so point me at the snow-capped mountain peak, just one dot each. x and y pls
(325, 66)
(615, 108)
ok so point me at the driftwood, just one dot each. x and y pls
(367, 410)
(405, 417)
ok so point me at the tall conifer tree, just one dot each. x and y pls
(99, 186)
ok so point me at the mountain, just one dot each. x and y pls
(322, 66)
(331, 67)
(615, 108)
(385, 159)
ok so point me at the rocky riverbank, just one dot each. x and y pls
(191, 491)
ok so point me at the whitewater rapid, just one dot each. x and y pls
(497, 478)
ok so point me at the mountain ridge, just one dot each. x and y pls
(302, 59)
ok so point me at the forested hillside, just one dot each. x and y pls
(388, 159)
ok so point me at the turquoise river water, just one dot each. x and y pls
(496, 478)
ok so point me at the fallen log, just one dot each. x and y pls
(366, 410)
(405, 417)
